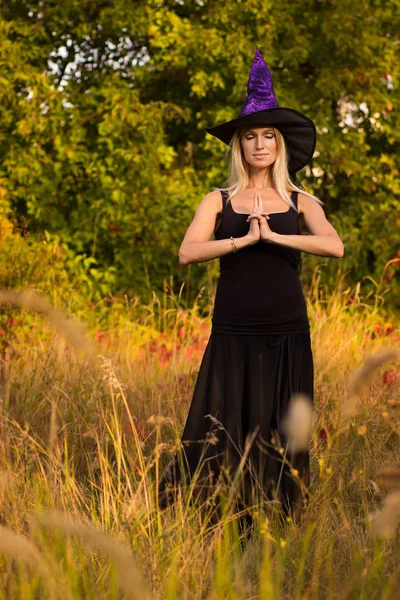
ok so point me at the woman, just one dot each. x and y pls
(259, 351)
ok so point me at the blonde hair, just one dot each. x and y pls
(239, 169)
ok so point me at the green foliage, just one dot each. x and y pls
(46, 263)
(104, 107)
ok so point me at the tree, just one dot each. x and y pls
(105, 104)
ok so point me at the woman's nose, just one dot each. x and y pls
(259, 144)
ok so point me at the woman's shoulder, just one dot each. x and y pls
(215, 196)
(211, 201)
(216, 193)
(307, 202)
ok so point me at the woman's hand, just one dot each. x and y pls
(254, 234)
(260, 218)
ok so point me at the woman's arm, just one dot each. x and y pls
(322, 245)
(197, 246)
(323, 241)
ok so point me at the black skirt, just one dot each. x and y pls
(238, 406)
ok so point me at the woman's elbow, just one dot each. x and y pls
(181, 262)
(340, 250)
(184, 258)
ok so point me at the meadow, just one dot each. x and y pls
(92, 406)
(105, 155)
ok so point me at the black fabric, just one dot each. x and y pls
(259, 289)
(298, 130)
(258, 355)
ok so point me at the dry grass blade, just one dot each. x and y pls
(20, 548)
(383, 523)
(298, 423)
(129, 576)
(53, 429)
(72, 329)
(362, 374)
(393, 403)
(7, 481)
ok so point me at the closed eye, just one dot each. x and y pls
(269, 136)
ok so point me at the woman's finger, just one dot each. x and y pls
(260, 205)
(255, 203)
(257, 215)
(264, 224)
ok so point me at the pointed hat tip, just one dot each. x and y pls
(260, 89)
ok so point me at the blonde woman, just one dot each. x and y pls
(259, 352)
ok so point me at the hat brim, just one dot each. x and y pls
(299, 132)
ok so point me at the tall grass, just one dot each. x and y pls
(91, 413)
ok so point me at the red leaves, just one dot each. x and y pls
(162, 349)
(184, 383)
(322, 434)
(114, 228)
(164, 355)
(380, 330)
(390, 377)
(9, 323)
(142, 433)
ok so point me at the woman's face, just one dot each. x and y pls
(259, 146)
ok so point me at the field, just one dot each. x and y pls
(91, 411)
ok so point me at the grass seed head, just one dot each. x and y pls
(388, 478)
(362, 374)
(383, 523)
(21, 548)
(72, 329)
(131, 581)
(298, 422)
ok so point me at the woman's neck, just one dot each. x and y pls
(260, 180)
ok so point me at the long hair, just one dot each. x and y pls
(239, 169)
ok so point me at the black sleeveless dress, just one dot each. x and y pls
(258, 354)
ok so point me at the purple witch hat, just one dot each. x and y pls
(261, 108)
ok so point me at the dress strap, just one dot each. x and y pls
(295, 196)
(225, 197)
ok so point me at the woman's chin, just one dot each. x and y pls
(260, 164)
